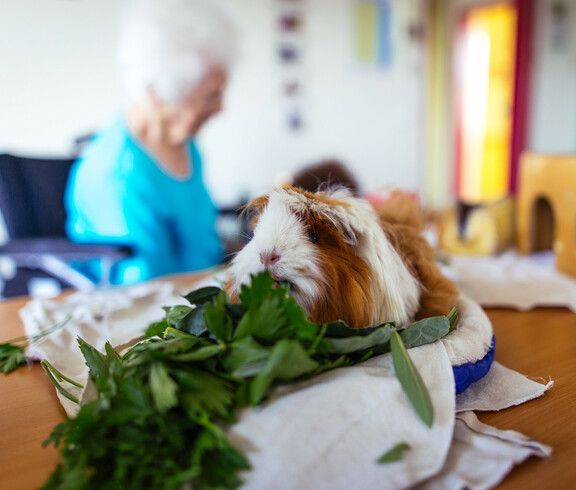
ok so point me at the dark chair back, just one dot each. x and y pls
(31, 195)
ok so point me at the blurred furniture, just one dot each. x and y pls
(546, 205)
(478, 229)
(32, 204)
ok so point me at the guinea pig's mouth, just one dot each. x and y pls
(285, 284)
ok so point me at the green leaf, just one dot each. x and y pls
(95, 360)
(193, 322)
(341, 329)
(411, 381)
(266, 321)
(163, 388)
(288, 360)
(394, 454)
(202, 391)
(11, 357)
(200, 354)
(174, 314)
(261, 287)
(156, 329)
(217, 319)
(377, 340)
(203, 295)
(246, 357)
(425, 331)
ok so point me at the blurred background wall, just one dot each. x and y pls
(58, 81)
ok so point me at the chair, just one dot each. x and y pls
(32, 204)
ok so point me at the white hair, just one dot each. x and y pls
(168, 45)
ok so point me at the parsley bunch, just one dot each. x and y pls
(162, 408)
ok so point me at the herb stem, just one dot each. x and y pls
(60, 376)
(47, 369)
(176, 333)
(318, 339)
(29, 340)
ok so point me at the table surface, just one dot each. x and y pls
(540, 344)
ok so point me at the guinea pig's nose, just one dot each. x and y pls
(269, 258)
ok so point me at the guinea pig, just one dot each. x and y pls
(343, 258)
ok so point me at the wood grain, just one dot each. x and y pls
(540, 344)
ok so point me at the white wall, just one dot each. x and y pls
(368, 118)
(57, 72)
(58, 81)
(553, 110)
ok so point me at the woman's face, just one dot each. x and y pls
(204, 101)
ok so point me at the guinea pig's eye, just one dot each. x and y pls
(312, 237)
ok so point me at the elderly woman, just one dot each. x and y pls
(139, 181)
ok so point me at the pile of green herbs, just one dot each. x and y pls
(162, 408)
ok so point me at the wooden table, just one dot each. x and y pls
(540, 343)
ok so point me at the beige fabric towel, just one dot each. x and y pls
(513, 281)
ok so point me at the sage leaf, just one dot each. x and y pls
(425, 331)
(394, 454)
(341, 329)
(377, 341)
(411, 381)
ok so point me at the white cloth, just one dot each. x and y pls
(500, 388)
(481, 456)
(119, 315)
(513, 281)
(328, 432)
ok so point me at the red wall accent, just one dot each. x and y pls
(525, 9)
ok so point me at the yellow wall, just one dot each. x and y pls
(487, 88)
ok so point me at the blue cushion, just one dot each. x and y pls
(466, 374)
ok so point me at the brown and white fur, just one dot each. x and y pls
(344, 259)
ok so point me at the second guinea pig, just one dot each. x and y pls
(344, 259)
